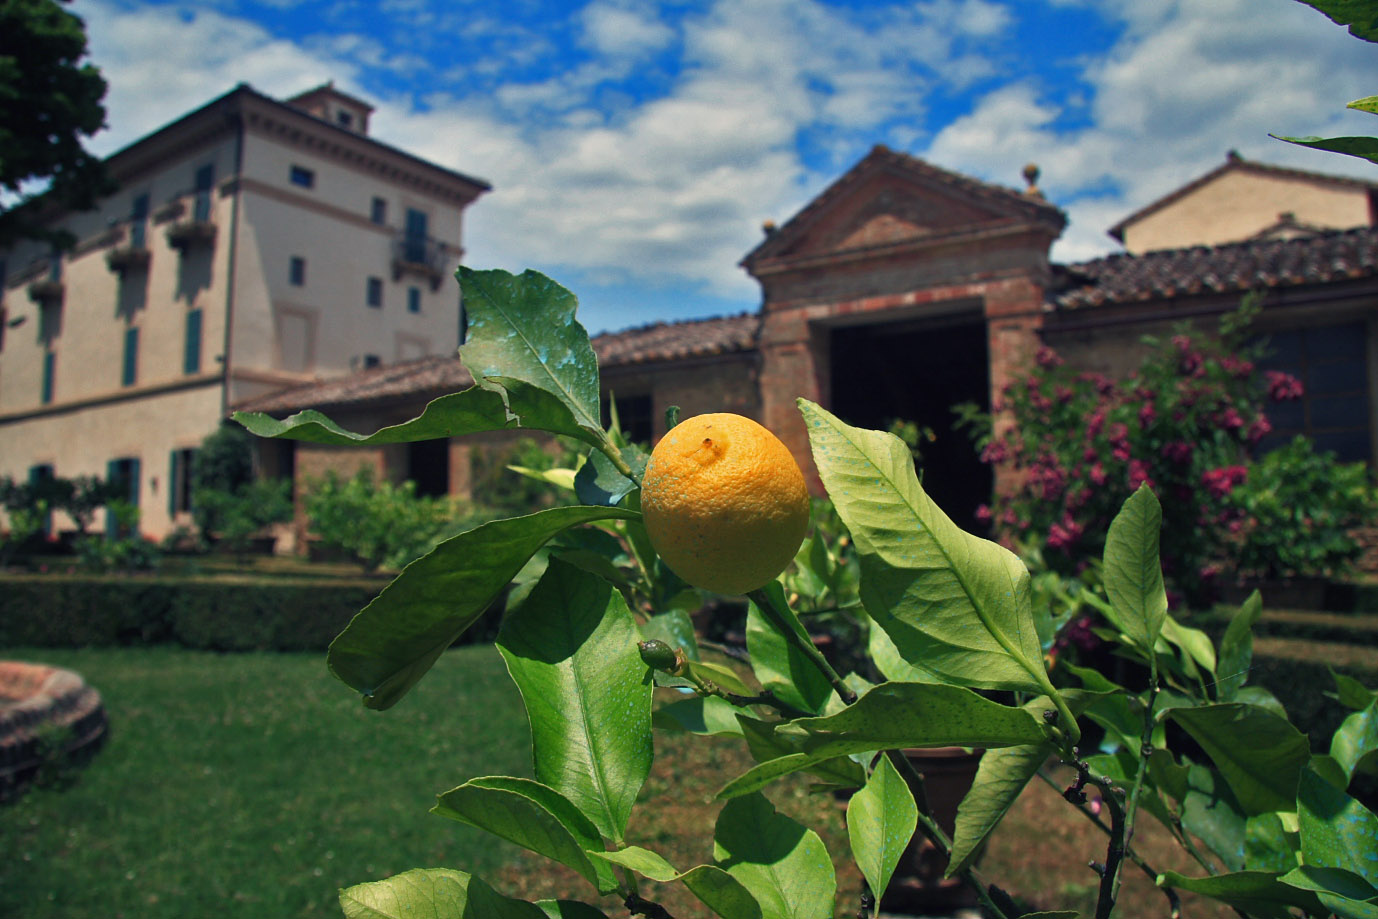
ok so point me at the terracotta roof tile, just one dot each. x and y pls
(1326, 257)
(433, 376)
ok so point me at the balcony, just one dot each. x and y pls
(187, 233)
(421, 256)
(131, 253)
(47, 292)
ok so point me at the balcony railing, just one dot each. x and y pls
(47, 290)
(198, 229)
(419, 255)
(131, 253)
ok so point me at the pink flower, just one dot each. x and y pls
(983, 513)
(1283, 387)
(1147, 414)
(1048, 358)
(1097, 474)
(1220, 482)
(1231, 419)
(996, 452)
(1138, 474)
(1260, 429)
(1179, 451)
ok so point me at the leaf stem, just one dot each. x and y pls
(609, 449)
(1131, 804)
(761, 598)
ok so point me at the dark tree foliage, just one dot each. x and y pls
(49, 102)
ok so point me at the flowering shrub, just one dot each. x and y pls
(1080, 443)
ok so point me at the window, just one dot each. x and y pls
(49, 371)
(179, 480)
(138, 222)
(123, 476)
(191, 345)
(416, 232)
(372, 360)
(634, 416)
(1332, 364)
(130, 370)
(205, 179)
(344, 119)
(42, 479)
(378, 211)
(296, 271)
(375, 292)
(303, 177)
(413, 299)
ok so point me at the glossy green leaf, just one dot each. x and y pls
(470, 411)
(715, 888)
(1357, 15)
(881, 819)
(1351, 693)
(1355, 742)
(1001, 776)
(767, 744)
(432, 892)
(533, 816)
(571, 648)
(599, 482)
(778, 664)
(782, 863)
(699, 715)
(1346, 884)
(1268, 845)
(676, 629)
(894, 716)
(1132, 571)
(1367, 104)
(724, 678)
(1365, 148)
(1258, 893)
(1336, 830)
(523, 328)
(952, 603)
(1196, 643)
(1237, 649)
(1259, 754)
(569, 909)
(394, 640)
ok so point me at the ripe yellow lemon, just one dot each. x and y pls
(724, 503)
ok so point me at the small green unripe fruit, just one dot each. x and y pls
(657, 655)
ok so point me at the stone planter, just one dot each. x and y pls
(41, 706)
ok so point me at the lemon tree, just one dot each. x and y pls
(597, 596)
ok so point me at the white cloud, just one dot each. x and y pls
(623, 32)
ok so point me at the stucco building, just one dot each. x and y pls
(253, 244)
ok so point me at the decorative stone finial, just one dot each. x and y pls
(768, 228)
(1031, 173)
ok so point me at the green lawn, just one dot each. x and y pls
(255, 785)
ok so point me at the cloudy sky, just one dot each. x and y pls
(636, 146)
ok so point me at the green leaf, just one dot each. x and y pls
(1237, 649)
(1133, 574)
(1358, 15)
(1346, 884)
(953, 604)
(1355, 743)
(1258, 893)
(888, 661)
(779, 665)
(569, 909)
(715, 888)
(523, 327)
(1365, 148)
(725, 678)
(571, 648)
(1336, 830)
(1268, 846)
(1000, 778)
(895, 716)
(1196, 643)
(768, 744)
(1351, 693)
(599, 482)
(470, 411)
(783, 864)
(1367, 104)
(1259, 753)
(432, 892)
(881, 819)
(699, 715)
(394, 640)
(535, 817)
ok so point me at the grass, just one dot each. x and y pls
(256, 785)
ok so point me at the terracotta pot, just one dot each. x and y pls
(918, 886)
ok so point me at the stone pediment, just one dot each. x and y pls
(890, 199)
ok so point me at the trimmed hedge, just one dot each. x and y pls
(219, 614)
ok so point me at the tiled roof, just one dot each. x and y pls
(1327, 257)
(428, 377)
(670, 341)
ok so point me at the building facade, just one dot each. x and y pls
(254, 244)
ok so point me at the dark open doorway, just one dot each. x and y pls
(428, 465)
(916, 371)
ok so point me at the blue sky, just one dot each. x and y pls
(635, 148)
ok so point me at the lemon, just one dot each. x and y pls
(724, 502)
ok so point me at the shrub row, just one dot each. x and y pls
(208, 614)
